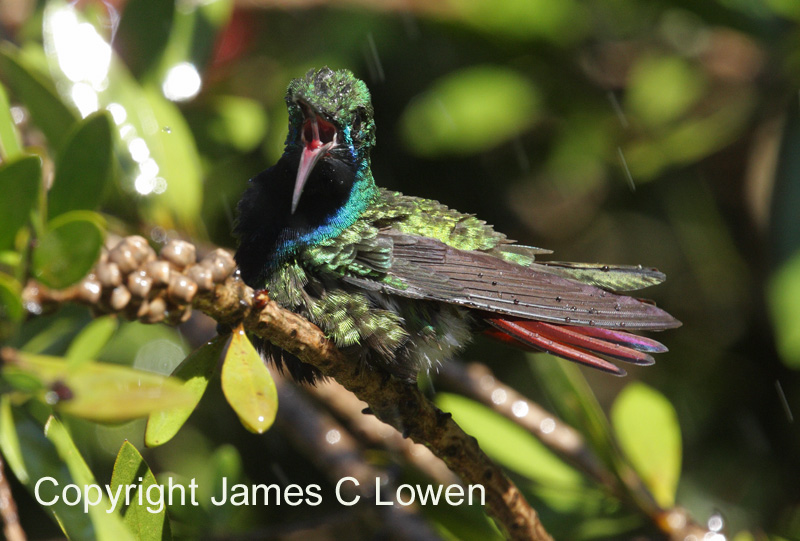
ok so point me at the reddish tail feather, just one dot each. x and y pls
(576, 343)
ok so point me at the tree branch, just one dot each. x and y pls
(131, 281)
(8, 509)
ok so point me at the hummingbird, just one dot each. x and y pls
(402, 283)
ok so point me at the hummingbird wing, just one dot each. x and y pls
(537, 306)
(432, 269)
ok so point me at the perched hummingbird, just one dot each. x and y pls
(402, 282)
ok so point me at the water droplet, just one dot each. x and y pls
(333, 436)
(166, 129)
(558, 299)
(547, 425)
(499, 396)
(591, 323)
(604, 268)
(567, 319)
(617, 307)
(573, 308)
(494, 283)
(480, 275)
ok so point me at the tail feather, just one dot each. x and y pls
(580, 344)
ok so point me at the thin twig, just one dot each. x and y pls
(8, 509)
(331, 447)
(477, 382)
(374, 432)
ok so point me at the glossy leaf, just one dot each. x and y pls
(10, 145)
(147, 521)
(47, 111)
(69, 249)
(248, 385)
(9, 441)
(103, 392)
(158, 155)
(469, 111)
(195, 372)
(83, 167)
(647, 429)
(20, 180)
(91, 340)
(106, 525)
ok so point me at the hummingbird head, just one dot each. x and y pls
(330, 118)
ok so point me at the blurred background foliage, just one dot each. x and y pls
(664, 133)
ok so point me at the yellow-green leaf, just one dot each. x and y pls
(470, 111)
(103, 392)
(195, 372)
(248, 385)
(508, 443)
(9, 441)
(91, 340)
(146, 520)
(647, 429)
(783, 294)
(10, 146)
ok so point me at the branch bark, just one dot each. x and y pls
(130, 280)
(397, 403)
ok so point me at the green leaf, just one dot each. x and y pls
(69, 249)
(10, 299)
(248, 385)
(10, 145)
(143, 33)
(647, 429)
(83, 167)
(575, 403)
(91, 340)
(508, 443)
(469, 111)
(41, 460)
(105, 393)
(158, 155)
(560, 22)
(147, 521)
(662, 89)
(195, 372)
(237, 122)
(106, 525)
(47, 110)
(783, 293)
(20, 180)
(9, 441)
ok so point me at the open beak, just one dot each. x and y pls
(318, 137)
